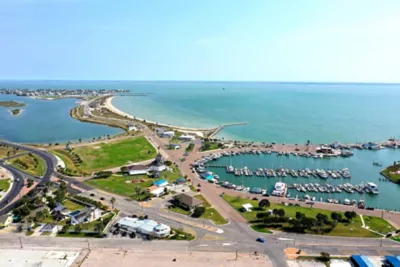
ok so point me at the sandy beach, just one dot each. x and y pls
(198, 131)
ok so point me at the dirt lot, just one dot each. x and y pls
(122, 258)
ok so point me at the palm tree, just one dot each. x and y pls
(80, 140)
(112, 200)
(98, 227)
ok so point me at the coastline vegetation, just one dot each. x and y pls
(190, 147)
(308, 220)
(16, 111)
(4, 184)
(7, 151)
(113, 154)
(11, 104)
(72, 163)
(392, 172)
(30, 163)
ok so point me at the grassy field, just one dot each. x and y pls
(210, 213)
(4, 184)
(260, 228)
(72, 206)
(209, 146)
(91, 226)
(68, 161)
(31, 164)
(180, 210)
(12, 151)
(396, 238)
(108, 155)
(394, 177)
(351, 229)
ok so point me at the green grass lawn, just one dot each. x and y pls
(190, 147)
(260, 228)
(213, 215)
(396, 238)
(69, 163)
(32, 167)
(209, 146)
(108, 155)
(180, 210)
(121, 185)
(72, 206)
(352, 229)
(4, 184)
(206, 203)
(394, 177)
(378, 224)
(90, 226)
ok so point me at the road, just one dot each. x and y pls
(50, 161)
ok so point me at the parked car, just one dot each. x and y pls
(102, 198)
(92, 195)
(260, 239)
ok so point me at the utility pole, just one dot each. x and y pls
(20, 242)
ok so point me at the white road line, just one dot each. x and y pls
(203, 245)
(226, 244)
(285, 239)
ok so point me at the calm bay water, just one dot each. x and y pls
(360, 166)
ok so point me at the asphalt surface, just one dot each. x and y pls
(50, 161)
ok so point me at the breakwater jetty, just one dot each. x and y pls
(219, 128)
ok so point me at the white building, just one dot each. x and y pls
(159, 191)
(148, 227)
(168, 134)
(49, 228)
(138, 169)
(247, 207)
(186, 137)
(156, 166)
(85, 216)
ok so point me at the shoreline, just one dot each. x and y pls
(198, 131)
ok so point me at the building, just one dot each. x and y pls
(168, 134)
(138, 169)
(361, 261)
(159, 191)
(156, 166)
(174, 146)
(186, 137)
(393, 261)
(49, 228)
(85, 216)
(247, 207)
(147, 227)
(132, 128)
(180, 181)
(5, 220)
(161, 183)
(188, 202)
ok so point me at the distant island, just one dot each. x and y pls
(16, 111)
(11, 104)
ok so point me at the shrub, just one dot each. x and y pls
(198, 211)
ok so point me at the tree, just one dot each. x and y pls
(281, 213)
(350, 215)
(29, 223)
(337, 217)
(80, 140)
(325, 257)
(99, 227)
(322, 218)
(65, 228)
(39, 216)
(263, 203)
(30, 182)
(198, 211)
(275, 212)
(61, 192)
(300, 215)
(112, 200)
(77, 228)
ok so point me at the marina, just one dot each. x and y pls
(346, 180)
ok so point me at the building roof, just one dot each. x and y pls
(148, 225)
(393, 260)
(157, 191)
(188, 200)
(362, 261)
(160, 182)
(48, 227)
(158, 161)
(180, 180)
(153, 187)
(3, 218)
(137, 167)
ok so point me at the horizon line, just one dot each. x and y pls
(211, 81)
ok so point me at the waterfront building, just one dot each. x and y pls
(168, 134)
(147, 227)
(188, 202)
(187, 137)
(156, 166)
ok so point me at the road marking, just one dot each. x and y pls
(285, 239)
(226, 244)
(219, 231)
(203, 245)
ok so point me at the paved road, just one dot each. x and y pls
(16, 187)
(50, 161)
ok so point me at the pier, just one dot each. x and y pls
(225, 125)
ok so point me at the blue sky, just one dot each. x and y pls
(257, 40)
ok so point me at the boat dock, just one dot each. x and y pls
(216, 131)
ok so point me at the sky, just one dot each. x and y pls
(223, 40)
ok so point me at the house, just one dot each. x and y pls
(159, 191)
(132, 128)
(247, 207)
(147, 227)
(5, 220)
(188, 202)
(393, 261)
(168, 134)
(361, 261)
(161, 183)
(49, 228)
(85, 216)
(174, 146)
(186, 137)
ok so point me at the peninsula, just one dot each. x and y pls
(11, 104)
(59, 93)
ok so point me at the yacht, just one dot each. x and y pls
(373, 188)
(279, 189)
